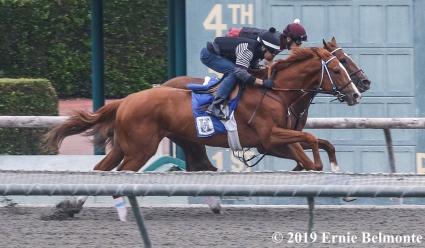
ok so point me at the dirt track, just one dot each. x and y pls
(197, 227)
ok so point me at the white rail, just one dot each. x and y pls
(314, 123)
(301, 184)
(272, 183)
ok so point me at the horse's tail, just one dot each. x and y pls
(101, 123)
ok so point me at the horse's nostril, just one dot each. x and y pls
(355, 95)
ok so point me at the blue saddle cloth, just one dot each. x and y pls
(207, 125)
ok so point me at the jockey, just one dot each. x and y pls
(293, 35)
(233, 56)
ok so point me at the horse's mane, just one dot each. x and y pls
(298, 55)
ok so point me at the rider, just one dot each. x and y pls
(292, 36)
(233, 56)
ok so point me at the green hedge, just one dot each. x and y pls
(25, 97)
(51, 39)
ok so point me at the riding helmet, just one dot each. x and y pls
(271, 40)
(295, 31)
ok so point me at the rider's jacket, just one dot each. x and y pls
(243, 52)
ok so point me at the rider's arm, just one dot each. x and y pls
(244, 76)
(243, 61)
(244, 58)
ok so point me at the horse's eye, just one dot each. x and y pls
(343, 61)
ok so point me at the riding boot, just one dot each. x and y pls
(215, 109)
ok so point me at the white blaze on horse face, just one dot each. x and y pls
(345, 70)
(352, 84)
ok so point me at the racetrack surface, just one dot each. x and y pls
(198, 227)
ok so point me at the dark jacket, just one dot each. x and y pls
(243, 52)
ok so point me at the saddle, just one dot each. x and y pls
(202, 96)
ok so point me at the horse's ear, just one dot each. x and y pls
(324, 43)
(333, 40)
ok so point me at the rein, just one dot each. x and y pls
(335, 90)
(257, 107)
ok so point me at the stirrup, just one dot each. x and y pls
(215, 110)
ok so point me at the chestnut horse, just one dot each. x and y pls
(196, 156)
(141, 120)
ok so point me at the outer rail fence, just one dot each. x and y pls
(314, 123)
(277, 184)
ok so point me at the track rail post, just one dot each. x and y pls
(310, 201)
(390, 150)
(140, 221)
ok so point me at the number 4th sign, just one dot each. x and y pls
(240, 14)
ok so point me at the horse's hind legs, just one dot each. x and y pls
(71, 206)
(111, 160)
(133, 162)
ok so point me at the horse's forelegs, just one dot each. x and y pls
(283, 152)
(280, 137)
(298, 167)
(330, 150)
(197, 160)
(303, 161)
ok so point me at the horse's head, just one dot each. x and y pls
(335, 79)
(360, 79)
(315, 70)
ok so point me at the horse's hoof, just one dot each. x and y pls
(349, 199)
(215, 207)
(216, 210)
(58, 214)
(214, 204)
(68, 207)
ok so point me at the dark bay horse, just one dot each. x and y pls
(196, 157)
(141, 120)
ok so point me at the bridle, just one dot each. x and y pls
(344, 62)
(335, 91)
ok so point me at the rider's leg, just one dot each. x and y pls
(216, 62)
(224, 90)
(221, 65)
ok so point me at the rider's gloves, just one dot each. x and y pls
(268, 83)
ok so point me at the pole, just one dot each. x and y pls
(98, 87)
(310, 201)
(140, 221)
(390, 150)
(177, 47)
